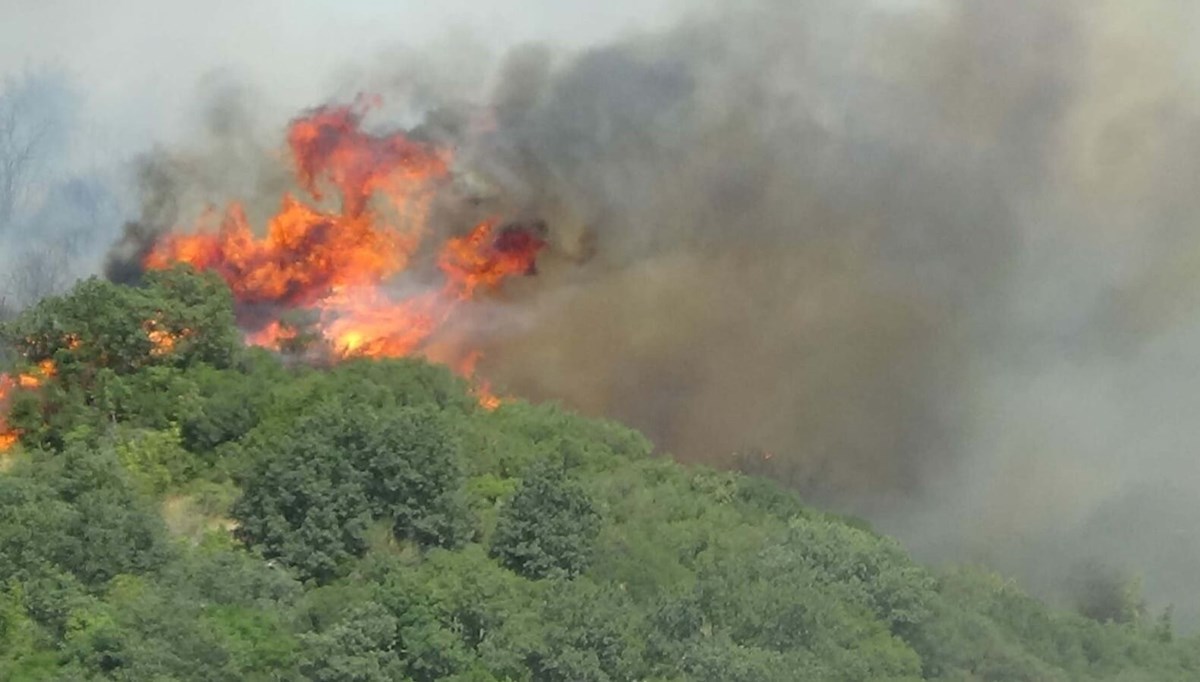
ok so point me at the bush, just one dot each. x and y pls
(311, 499)
(549, 527)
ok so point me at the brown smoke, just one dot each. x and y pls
(931, 264)
(796, 213)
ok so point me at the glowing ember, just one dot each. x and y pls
(8, 386)
(337, 263)
(8, 436)
(162, 340)
(483, 388)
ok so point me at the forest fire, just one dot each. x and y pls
(162, 341)
(8, 386)
(338, 263)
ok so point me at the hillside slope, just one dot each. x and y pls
(182, 508)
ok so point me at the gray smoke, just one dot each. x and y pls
(929, 264)
(56, 212)
(797, 224)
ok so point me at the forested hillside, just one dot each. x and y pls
(179, 507)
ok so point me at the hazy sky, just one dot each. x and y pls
(141, 60)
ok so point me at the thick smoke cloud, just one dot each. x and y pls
(230, 157)
(786, 228)
(789, 245)
(929, 262)
(931, 265)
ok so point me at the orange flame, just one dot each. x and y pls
(336, 263)
(162, 341)
(8, 385)
(8, 436)
(483, 388)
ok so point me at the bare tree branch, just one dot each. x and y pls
(23, 133)
(38, 272)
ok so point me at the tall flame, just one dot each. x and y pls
(336, 263)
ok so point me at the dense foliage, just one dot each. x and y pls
(193, 510)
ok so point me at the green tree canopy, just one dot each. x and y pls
(549, 527)
(317, 490)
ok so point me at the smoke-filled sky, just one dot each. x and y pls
(140, 61)
(938, 258)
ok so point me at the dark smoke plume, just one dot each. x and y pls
(796, 215)
(931, 264)
(232, 158)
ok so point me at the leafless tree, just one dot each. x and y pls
(20, 137)
(34, 106)
(37, 272)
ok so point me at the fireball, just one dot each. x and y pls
(337, 263)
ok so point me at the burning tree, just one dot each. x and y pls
(86, 340)
(337, 263)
